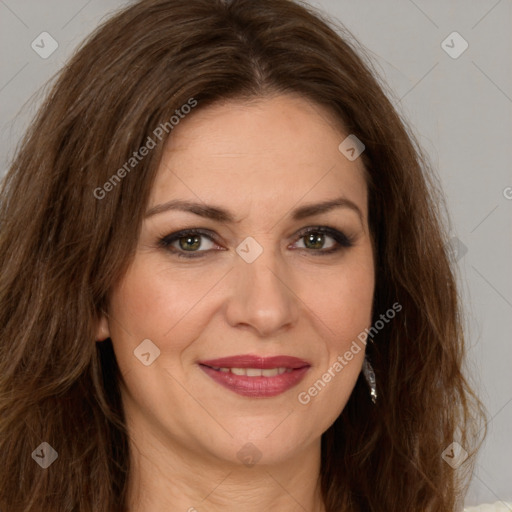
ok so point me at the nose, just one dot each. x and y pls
(262, 295)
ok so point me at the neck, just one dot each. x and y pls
(167, 476)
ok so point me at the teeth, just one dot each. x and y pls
(255, 372)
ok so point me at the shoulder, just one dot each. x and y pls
(499, 506)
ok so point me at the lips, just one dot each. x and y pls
(256, 376)
(250, 361)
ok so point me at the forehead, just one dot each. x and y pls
(279, 149)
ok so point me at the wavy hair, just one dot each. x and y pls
(62, 249)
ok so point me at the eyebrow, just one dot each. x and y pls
(219, 214)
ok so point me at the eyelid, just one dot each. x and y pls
(342, 240)
(166, 241)
(340, 236)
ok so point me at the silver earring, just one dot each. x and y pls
(369, 375)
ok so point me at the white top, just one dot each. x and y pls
(499, 506)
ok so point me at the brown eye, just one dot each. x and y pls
(314, 240)
(190, 242)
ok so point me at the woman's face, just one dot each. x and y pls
(254, 286)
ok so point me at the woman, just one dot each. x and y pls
(224, 280)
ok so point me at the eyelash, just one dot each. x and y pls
(343, 241)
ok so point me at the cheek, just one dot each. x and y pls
(151, 302)
(345, 307)
(343, 302)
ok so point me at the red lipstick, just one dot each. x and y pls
(256, 376)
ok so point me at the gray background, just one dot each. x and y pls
(460, 109)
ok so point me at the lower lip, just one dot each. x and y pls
(257, 387)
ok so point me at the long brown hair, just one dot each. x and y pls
(62, 248)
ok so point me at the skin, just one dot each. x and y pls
(259, 160)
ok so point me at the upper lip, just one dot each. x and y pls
(255, 361)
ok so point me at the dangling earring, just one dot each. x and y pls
(369, 375)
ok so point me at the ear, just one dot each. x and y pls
(102, 328)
